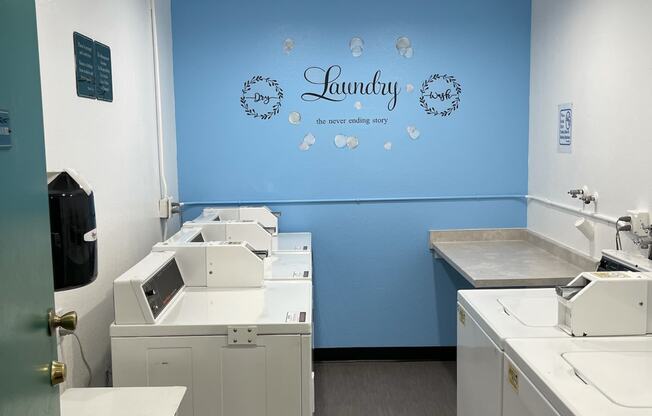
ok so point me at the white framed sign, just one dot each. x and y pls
(565, 128)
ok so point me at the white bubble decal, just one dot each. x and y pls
(404, 47)
(294, 118)
(356, 45)
(352, 142)
(288, 45)
(340, 141)
(413, 132)
(309, 139)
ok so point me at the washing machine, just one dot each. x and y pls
(487, 317)
(238, 351)
(260, 216)
(609, 376)
(235, 258)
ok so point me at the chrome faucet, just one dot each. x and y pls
(574, 193)
(587, 199)
(580, 193)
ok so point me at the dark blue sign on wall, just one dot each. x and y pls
(93, 71)
(103, 75)
(84, 65)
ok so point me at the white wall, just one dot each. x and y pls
(113, 145)
(595, 54)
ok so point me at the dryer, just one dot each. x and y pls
(238, 351)
(609, 376)
(487, 317)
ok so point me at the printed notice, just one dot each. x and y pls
(295, 316)
(565, 120)
(103, 74)
(84, 65)
(93, 71)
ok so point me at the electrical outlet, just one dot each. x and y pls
(640, 222)
(165, 207)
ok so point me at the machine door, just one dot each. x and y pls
(26, 348)
(223, 377)
(479, 369)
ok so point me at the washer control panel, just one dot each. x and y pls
(162, 287)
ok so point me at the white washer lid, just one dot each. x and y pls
(289, 266)
(544, 361)
(534, 311)
(292, 242)
(624, 377)
(633, 260)
(513, 313)
(279, 307)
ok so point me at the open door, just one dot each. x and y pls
(27, 349)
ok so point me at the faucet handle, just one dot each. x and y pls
(587, 199)
(574, 193)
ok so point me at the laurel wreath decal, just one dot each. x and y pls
(258, 97)
(425, 92)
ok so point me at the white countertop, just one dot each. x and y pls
(122, 401)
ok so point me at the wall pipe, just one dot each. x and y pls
(349, 200)
(600, 217)
(163, 184)
(545, 201)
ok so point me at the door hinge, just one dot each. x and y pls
(242, 335)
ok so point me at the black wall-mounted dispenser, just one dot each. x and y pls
(72, 230)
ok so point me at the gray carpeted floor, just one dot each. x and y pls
(385, 388)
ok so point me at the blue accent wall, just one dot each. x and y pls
(376, 283)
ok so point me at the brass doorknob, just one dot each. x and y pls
(66, 321)
(57, 373)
